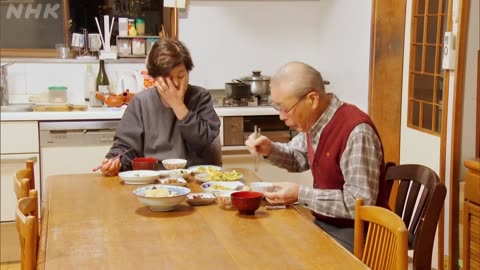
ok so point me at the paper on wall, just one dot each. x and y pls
(175, 3)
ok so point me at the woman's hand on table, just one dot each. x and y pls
(261, 145)
(110, 167)
(285, 193)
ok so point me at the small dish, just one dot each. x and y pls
(164, 173)
(139, 177)
(217, 187)
(173, 181)
(179, 173)
(203, 168)
(224, 198)
(200, 198)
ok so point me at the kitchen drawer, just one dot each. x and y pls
(19, 137)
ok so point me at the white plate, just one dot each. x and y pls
(203, 177)
(139, 177)
(178, 172)
(200, 198)
(173, 181)
(213, 186)
(203, 168)
(164, 173)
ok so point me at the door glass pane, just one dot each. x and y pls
(418, 58)
(420, 6)
(415, 112)
(427, 116)
(432, 29)
(419, 31)
(433, 6)
(423, 87)
(439, 94)
(444, 6)
(438, 122)
(430, 59)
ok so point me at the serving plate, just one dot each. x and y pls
(173, 181)
(220, 176)
(203, 168)
(139, 177)
(203, 198)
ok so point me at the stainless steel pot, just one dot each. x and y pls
(260, 85)
(237, 89)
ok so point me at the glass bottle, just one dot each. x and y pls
(102, 84)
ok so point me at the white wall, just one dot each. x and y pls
(229, 39)
(469, 101)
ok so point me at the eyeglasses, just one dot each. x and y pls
(283, 110)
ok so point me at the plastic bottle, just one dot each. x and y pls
(140, 24)
(90, 84)
(132, 31)
(102, 84)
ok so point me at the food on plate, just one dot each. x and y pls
(219, 187)
(159, 192)
(170, 181)
(215, 175)
(246, 188)
(197, 197)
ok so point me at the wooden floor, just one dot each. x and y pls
(10, 266)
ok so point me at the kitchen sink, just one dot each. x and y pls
(16, 108)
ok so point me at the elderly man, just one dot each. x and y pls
(336, 141)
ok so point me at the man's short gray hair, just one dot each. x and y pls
(298, 78)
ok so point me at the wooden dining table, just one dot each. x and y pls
(91, 221)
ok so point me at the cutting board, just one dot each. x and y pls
(58, 108)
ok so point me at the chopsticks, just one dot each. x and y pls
(257, 134)
(115, 157)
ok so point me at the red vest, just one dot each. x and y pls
(325, 162)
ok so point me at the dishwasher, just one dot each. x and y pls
(68, 147)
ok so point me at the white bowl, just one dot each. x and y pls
(174, 163)
(262, 187)
(162, 203)
(139, 177)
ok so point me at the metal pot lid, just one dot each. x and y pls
(256, 76)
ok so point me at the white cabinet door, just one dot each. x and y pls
(19, 137)
(10, 164)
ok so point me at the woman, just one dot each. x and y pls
(171, 120)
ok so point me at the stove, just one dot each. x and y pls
(252, 101)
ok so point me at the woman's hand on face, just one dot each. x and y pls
(173, 95)
(110, 167)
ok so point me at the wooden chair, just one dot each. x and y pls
(27, 225)
(417, 197)
(386, 244)
(24, 180)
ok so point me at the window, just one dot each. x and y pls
(429, 22)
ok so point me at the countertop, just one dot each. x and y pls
(116, 113)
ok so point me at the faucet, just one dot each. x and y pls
(3, 84)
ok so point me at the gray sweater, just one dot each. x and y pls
(153, 130)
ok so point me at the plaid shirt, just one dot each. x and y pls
(360, 165)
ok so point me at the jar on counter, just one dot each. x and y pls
(57, 94)
(138, 46)
(140, 24)
(132, 31)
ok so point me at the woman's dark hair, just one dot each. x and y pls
(167, 54)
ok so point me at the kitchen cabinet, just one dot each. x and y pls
(471, 227)
(19, 143)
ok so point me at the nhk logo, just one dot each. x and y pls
(30, 11)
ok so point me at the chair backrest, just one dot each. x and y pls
(27, 226)
(386, 244)
(418, 201)
(24, 180)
